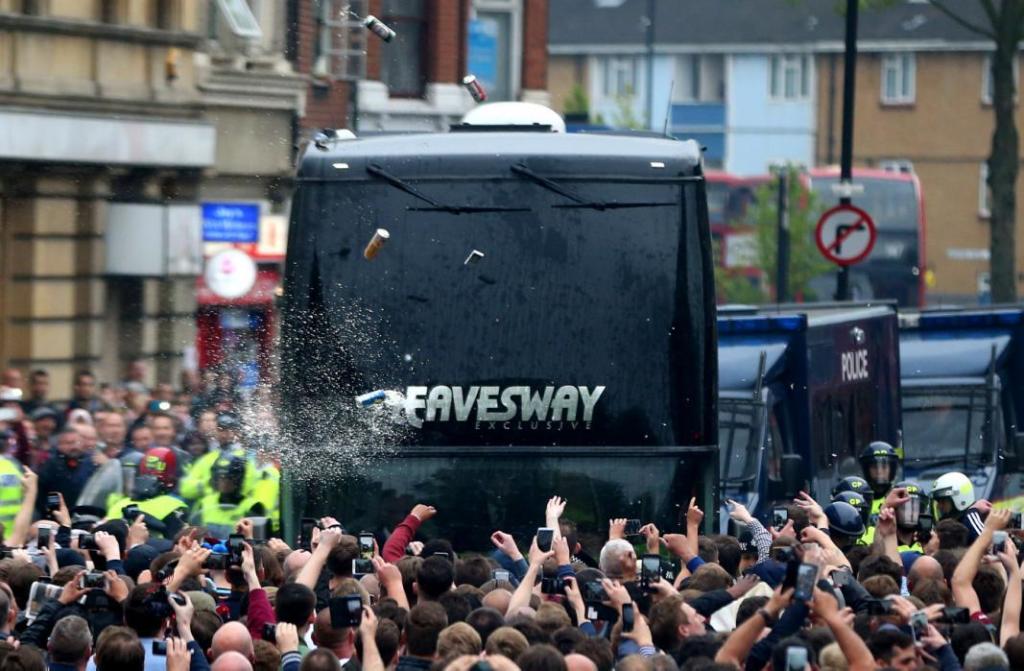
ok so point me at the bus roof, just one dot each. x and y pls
(832, 171)
(482, 149)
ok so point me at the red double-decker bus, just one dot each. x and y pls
(895, 269)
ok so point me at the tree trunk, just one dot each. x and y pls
(1003, 165)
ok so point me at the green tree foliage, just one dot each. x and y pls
(805, 261)
(577, 101)
(625, 117)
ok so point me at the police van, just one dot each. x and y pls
(963, 397)
(482, 318)
(802, 390)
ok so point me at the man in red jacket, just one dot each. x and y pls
(394, 548)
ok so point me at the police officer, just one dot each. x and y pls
(222, 509)
(196, 483)
(152, 492)
(857, 485)
(845, 525)
(879, 461)
(267, 486)
(908, 516)
(12, 492)
(953, 498)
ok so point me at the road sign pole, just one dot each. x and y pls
(846, 156)
(782, 253)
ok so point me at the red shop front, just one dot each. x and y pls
(237, 334)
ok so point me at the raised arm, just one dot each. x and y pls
(737, 647)
(370, 659)
(1010, 626)
(23, 520)
(391, 580)
(310, 573)
(553, 512)
(963, 576)
(394, 547)
(858, 656)
(886, 541)
(694, 515)
(521, 597)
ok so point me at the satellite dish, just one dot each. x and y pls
(514, 114)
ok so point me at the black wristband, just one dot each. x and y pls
(769, 620)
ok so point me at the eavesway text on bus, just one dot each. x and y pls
(516, 407)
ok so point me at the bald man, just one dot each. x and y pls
(231, 661)
(924, 568)
(498, 599)
(294, 562)
(232, 637)
(577, 662)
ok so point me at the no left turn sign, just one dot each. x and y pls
(845, 235)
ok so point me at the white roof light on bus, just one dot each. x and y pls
(514, 114)
(658, 164)
(340, 166)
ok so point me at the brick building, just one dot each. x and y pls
(131, 115)
(358, 81)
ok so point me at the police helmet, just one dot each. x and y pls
(229, 421)
(230, 466)
(844, 520)
(160, 463)
(907, 514)
(856, 484)
(955, 487)
(862, 505)
(878, 453)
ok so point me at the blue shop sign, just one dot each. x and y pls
(231, 222)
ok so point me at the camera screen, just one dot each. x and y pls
(366, 546)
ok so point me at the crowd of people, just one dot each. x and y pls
(139, 532)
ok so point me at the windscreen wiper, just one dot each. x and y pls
(578, 201)
(399, 183)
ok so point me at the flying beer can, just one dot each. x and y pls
(473, 257)
(375, 244)
(379, 28)
(370, 398)
(475, 88)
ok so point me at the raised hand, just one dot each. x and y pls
(538, 557)
(998, 520)
(616, 528)
(694, 514)
(653, 537)
(896, 497)
(814, 511)
(555, 508)
(506, 544)
(886, 526)
(739, 512)
(423, 512)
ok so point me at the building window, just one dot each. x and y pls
(898, 74)
(790, 77)
(619, 75)
(402, 60)
(987, 86)
(699, 79)
(494, 52)
(31, 7)
(984, 193)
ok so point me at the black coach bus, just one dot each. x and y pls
(541, 320)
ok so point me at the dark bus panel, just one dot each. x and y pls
(576, 356)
